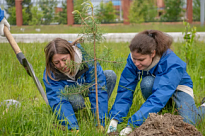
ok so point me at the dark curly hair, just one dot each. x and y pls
(149, 40)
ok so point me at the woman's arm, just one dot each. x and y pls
(60, 106)
(126, 88)
(165, 84)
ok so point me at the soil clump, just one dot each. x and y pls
(165, 125)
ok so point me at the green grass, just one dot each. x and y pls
(34, 117)
(110, 28)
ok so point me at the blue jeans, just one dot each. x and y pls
(184, 103)
(77, 100)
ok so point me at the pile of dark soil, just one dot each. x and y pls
(165, 125)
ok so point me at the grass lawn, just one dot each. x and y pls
(108, 28)
(34, 117)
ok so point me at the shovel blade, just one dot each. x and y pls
(35, 79)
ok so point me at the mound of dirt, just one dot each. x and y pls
(165, 125)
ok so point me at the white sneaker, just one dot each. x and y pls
(126, 131)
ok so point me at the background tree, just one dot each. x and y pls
(12, 15)
(26, 16)
(79, 7)
(27, 5)
(10, 4)
(196, 10)
(62, 15)
(48, 8)
(142, 11)
(105, 12)
(36, 16)
(173, 10)
(26, 11)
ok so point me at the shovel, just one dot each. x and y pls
(22, 59)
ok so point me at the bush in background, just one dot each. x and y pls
(196, 10)
(142, 11)
(26, 16)
(105, 12)
(79, 7)
(62, 15)
(48, 9)
(36, 16)
(26, 11)
(12, 15)
(173, 10)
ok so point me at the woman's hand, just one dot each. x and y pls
(126, 131)
(113, 126)
(3, 23)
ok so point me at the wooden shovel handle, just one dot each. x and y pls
(11, 40)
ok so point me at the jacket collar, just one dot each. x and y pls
(156, 60)
(154, 63)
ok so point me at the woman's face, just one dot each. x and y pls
(142, 61)
(60, 61)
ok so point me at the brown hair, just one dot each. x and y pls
(57, 46)
(147, 41)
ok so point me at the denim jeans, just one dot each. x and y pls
(184, 103)
(77, 100)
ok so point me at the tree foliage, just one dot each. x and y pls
(10, 4)
(26, 16)
(62, 15)
(106, 12)
(196, 10)
(36, 16)
(78, 6)
(48, 8)
(26, 11)
(27, 5)
(12, 15)
(173, 10)
(142, 10)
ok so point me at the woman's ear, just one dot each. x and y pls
(153, 53)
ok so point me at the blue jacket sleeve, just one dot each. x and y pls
(60, 106)
(166, 81)
(1, 14)
(126, 88)
(102, 93)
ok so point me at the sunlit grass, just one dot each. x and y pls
(111, 28)
(34, 117)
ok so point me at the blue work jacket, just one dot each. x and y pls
(169, 72)
(1, 14)
(62, 107)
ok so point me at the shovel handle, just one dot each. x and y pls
(11, 40)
